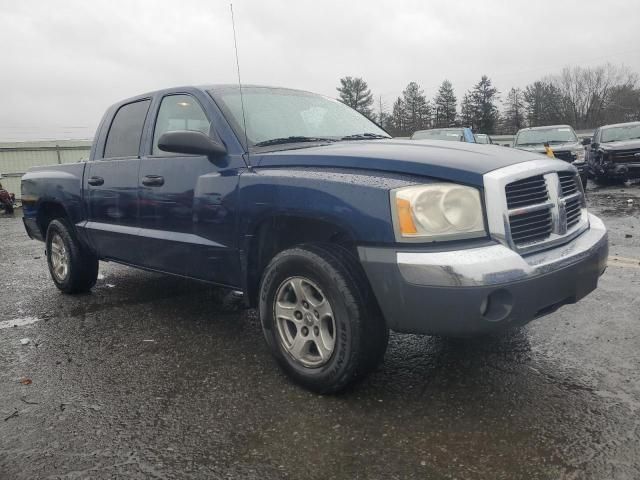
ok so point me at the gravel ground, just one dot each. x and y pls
(147, 377)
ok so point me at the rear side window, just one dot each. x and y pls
(124, 135)
(179, 112)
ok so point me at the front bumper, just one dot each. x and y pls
(617, 170)
(478, 290)
(622, 171)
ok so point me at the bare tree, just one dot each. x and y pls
(623, 105)
(587, 90)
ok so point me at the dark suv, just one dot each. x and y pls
(562, 140)
(614, 152)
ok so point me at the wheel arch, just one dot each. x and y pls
(47, 212)
(276, 233)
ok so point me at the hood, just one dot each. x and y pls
(623, 145)
(454, 161)
(568, 146)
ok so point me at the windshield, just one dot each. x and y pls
(618, 134)
(455, 135)
(278, 115)
(546, 135)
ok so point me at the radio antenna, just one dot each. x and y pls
(244, 120)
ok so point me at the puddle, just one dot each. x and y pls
(18, 322)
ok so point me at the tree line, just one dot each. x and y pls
(583, 97)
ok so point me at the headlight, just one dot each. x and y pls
(437, 211)
(579, 155)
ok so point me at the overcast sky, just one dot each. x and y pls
(64, 62)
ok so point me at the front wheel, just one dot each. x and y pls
(72, 268)
(320, 318)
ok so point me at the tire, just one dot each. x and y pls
(354, 321)
(584, 180)
(603, 181)
(72, 268)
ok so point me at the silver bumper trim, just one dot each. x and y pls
(497, 264)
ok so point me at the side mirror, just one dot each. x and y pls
(190, 142)
(586, 141)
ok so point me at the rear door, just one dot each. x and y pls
(111, 186)
(187, 228)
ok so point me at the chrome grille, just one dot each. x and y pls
(567, 156)
(531, 227)
(568, 185)
(528, 191)
(535, 205)
(623, 156)
(574, 211)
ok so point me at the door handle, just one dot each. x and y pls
(153, 180)
(95, 181)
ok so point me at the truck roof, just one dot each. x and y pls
(204, 88)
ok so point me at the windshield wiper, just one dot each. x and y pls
(363, 136)
(555, 142)
(528, 144)
(292, 139)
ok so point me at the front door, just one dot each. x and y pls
(186, 227)
(111, 186)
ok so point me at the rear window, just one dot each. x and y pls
(123, 139)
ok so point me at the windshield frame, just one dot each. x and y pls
(238, 128)
(543, 129)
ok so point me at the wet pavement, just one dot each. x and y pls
(148, 377)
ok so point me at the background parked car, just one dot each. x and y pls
(455, 134)
(614, 152)
(561, 138)
(483, 138)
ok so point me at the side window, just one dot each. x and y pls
(123, 139)
(178, 112)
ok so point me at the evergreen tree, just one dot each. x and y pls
(417, 108)
(483, 99)
(398, 116)
(544, 104)
(355, 93)
(467, 111)
(514, 113)
(445, 105)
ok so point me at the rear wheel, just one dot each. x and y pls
(72, 268)
(320, 318)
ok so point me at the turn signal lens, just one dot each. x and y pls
(405, 222)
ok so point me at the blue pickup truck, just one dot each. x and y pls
(335, 231)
